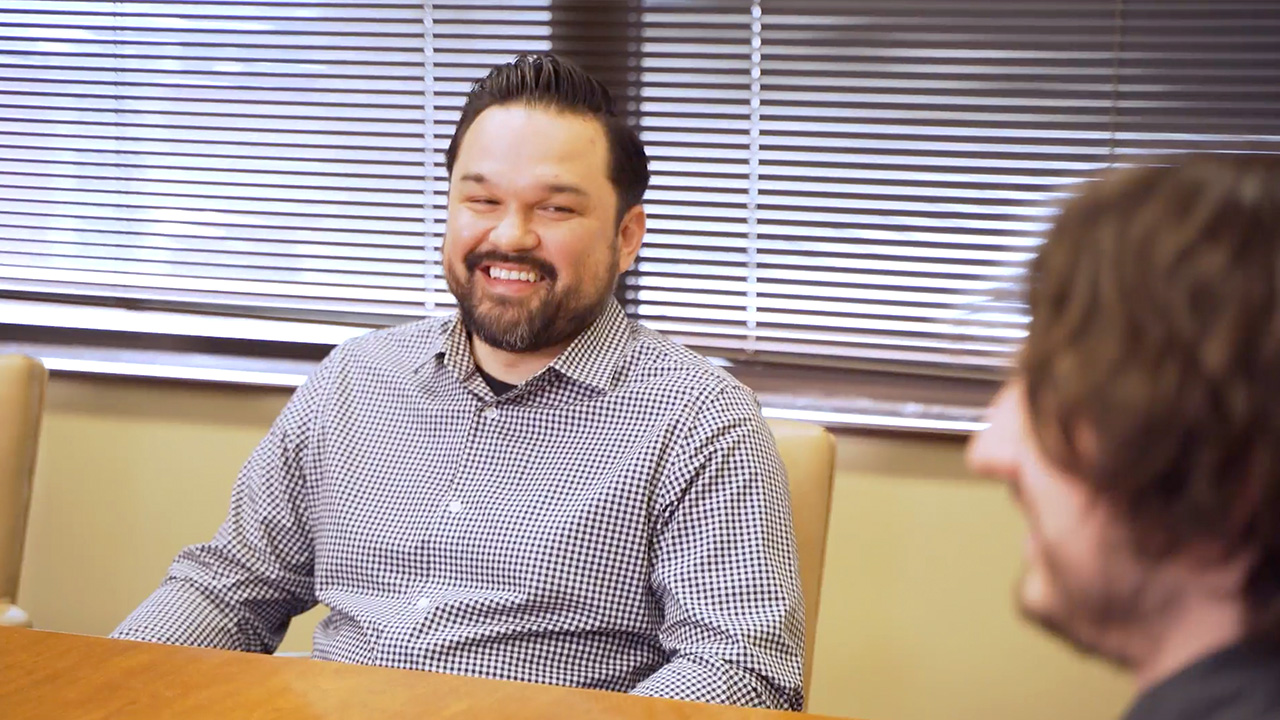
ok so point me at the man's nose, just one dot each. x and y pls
(993, 451)
(515, 233)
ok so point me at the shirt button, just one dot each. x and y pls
(490, 413)
(422, 604)
(455, 507)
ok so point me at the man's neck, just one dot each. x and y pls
(1195, 631)
(509, 367)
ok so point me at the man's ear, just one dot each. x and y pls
(630, 235)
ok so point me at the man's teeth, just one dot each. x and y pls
(501, 274)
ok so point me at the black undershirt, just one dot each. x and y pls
(498, 387)
(1239, 683)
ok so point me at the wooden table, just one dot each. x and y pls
(53, 675)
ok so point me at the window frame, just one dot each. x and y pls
(139, 340)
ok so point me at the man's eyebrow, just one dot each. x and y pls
(565, 189)
(550, 188)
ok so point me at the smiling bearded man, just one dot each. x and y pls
(536, 488)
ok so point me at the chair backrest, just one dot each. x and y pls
(22, 386)
(809, 453)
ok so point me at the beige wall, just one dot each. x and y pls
(916, 620)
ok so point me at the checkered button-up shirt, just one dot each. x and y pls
(619, 521)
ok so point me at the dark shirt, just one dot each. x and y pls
(1241, 682)
(498, 387)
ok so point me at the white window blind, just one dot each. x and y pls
(230, 156)
(840, 182)
(853, 182)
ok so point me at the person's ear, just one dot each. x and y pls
(630, 236)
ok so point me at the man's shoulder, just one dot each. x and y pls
(655, 359)
(399, 347)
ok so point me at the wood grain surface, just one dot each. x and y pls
(54, 675)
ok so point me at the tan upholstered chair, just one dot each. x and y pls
(22, 385)
(809, 454)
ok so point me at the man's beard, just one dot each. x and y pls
(1094, 620)
(548, 318)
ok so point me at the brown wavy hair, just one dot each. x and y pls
(1155, 306)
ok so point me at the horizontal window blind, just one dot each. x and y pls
(699, 118)
(838, 182)
(1198, 76)
(240, 157)
(856, 183)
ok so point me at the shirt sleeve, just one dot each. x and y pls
(240, 590)
(724, 567)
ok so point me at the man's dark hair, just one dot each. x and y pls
(1152, 361)
(547, 81)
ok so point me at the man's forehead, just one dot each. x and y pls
(524, 132)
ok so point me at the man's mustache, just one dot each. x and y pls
(492, 257)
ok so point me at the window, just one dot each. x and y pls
(229, 157)
(838, 184)
(855, 183)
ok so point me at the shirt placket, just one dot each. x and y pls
(458, 505)
(449, 510)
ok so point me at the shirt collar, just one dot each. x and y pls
(592, 358)
(455, 346)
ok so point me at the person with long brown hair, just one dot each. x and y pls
(1140, 434)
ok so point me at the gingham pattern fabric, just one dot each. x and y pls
(620, 521)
